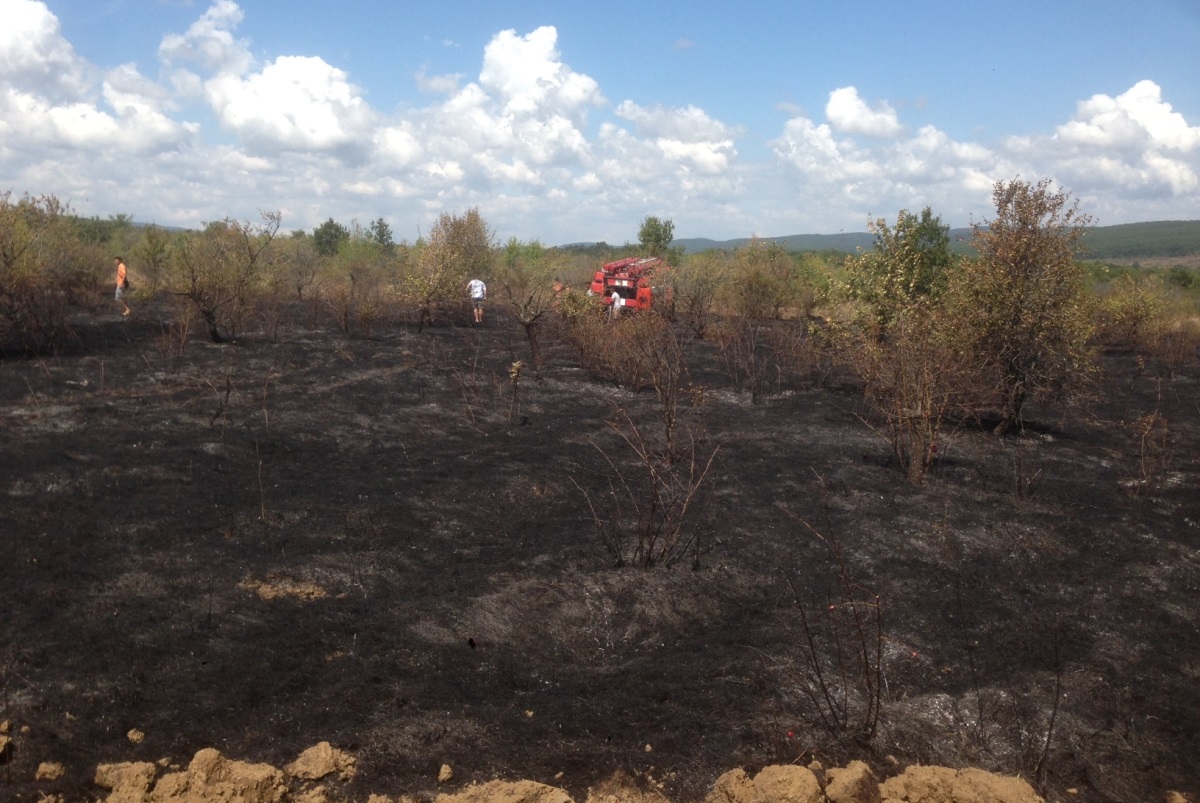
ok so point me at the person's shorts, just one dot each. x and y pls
(120, 294)
(477, 302)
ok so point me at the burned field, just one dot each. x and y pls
(400, 545)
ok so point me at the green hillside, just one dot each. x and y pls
(1169, 238)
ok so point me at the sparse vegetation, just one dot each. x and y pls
(456, 506)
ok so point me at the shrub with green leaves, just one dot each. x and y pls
(44, 269)
(1020, 308)
(910, 263)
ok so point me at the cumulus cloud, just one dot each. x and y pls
(528, 76)
(519, 124)
(51, 99)
(295, 102)
(518, 139)
(1138, 116)
(210, 43)
(687, 137)
(34, 57)
(848, 113)
(1133, 145)
(854, 179)
(1135, 142)
(438, 84)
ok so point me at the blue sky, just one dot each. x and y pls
(572, 121)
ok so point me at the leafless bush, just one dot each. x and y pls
(1171, 344)
(806, 351)
(913, 379)
(471, 377)
(651, 510)
(222, 385)
(1028, 470)
(270, 312)
(748, 355)
(839, 666)
(1152, 455)
(175, 334)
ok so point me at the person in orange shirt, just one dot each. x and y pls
(122, 284)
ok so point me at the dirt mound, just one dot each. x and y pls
(212, 778)
(209, 777)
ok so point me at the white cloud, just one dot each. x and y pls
(209, 43)
(1135, 117)
(438, 84)
(296, 102)
(847, 112)
(688, 137)
(528, 77)
(397, 146)
(35, 58)
(689, 124)
(1133, 144)
(814, 151)
(51, 100)
(298, 134)
(846, 179)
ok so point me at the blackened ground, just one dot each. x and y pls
(261, 545)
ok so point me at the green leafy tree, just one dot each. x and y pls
(380, 233)
(696, 286)
(910, 262)
(152, 254)
(41, 271)
(655, 237)
(458, 248)
(1021, 308)
(760, 285)
(329, 236)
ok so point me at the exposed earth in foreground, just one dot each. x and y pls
(262, 545)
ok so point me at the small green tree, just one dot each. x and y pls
(355, 285)
(329, 236)
(1020, 308)
(760, 286)
(696, 285)
(910, 262)
(42, 271)
(152, 253)
(380, 234)
(457, 249)
(655, 237)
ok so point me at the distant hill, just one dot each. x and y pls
(848, 242)
(1169, 238)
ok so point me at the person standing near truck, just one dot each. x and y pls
(618, 304)
(122, 285)
(478, 292)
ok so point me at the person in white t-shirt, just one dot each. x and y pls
(618, 304)
(478, 292)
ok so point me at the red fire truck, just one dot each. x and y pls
(630, 278)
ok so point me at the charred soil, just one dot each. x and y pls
(386, 543)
